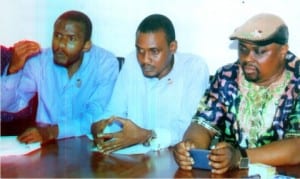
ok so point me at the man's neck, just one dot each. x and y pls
(167, 70)
(74, 67)
(271, 80)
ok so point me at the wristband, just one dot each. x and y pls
(147, 143)
(244, 160)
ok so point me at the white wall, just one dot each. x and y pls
(202, 26)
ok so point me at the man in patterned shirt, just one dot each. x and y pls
(252, 105)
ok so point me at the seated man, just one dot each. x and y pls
(156, 93)
(253, 105)
(73, 80)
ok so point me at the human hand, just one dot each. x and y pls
(182, 155)
(98, 127)
(223, 158)
(22, 51)
(97, 131)
(130, 134)
(39, 134)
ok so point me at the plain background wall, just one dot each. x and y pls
(202, 27)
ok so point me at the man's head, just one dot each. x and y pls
(155, 45)
(71, 38)
(263, 44)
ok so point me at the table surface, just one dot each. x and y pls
(74, 157)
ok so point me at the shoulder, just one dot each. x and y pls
(131, 61)
(188, 58)
(5, 52)
(293, 64)
(228, 71)
(44, 57)
(97, 51)
(5, 56)
(191, 62)
(100, 56)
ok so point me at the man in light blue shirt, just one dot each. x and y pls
(156, 93)
(73, 81)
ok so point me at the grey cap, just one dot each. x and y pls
(264, 29)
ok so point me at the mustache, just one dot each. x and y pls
(147, 66)
(59, 52)
(249, 65)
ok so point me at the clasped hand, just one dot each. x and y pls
(222, 158)
(109, 142)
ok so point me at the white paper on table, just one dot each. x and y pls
(263, 170)
(9, 145)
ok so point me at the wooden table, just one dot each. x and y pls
(73, 157)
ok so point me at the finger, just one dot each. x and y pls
(98, 141)
(186, 167)
(182, 156)
(217, 165)
(219, 160)
(26, 43)
(106, 136)
(221, 149)
(114, 148)
(23, 137)
(30, 51)
(183, 160)
(25, 133)
(25, 52)
(98, 127)
(183, 149)
(32, 139)
(117, 119)
(222, 145)
(189, 145)
(28, 137)
(220, 170)
(26, 49)
(111, 142)
(217, 155)
(111, 146)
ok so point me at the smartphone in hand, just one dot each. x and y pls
(200, 158)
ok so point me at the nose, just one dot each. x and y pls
(62, 43)
(147, 58)
(251, 56)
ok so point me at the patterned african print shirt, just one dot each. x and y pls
(248, 116)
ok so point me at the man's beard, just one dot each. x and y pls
(252, 74)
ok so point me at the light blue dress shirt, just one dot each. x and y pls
(71, 103)
(164, 105)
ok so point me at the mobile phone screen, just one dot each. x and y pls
(200, 158)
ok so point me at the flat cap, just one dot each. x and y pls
(262, 29)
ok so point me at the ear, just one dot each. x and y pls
(173, 46)
(87, 46)
(284, 50)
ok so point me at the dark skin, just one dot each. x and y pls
(68, 45)
(155, 56)
(22, 51)
(261, 65)
(129, 135)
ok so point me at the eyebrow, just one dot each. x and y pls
(253, 45)
(151, 48)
